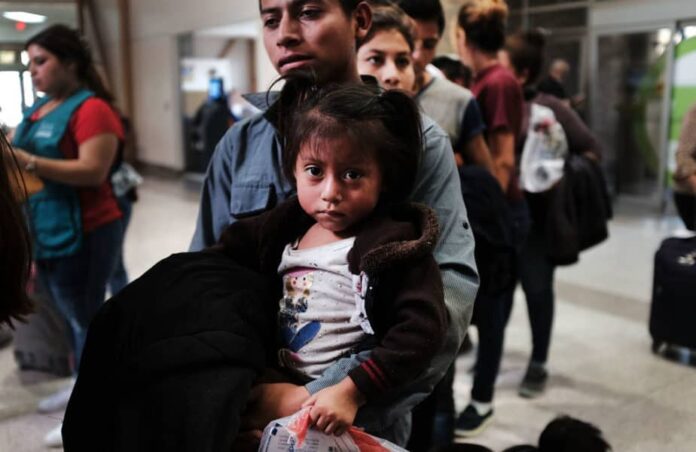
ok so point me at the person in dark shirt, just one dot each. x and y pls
(553, 82)
(523, 54)
(480, 35)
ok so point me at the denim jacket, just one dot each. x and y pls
(245, 177)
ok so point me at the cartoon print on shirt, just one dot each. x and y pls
(298, 283)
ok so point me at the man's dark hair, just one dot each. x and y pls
(385, 125)
(425, 10)
(348, 6)
(453, 69)
(526, 52)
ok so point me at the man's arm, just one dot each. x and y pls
(214, 213)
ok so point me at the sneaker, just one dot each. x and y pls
(471, 423)
(534, 382)
(54, 438)
(57, 401)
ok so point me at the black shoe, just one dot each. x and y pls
(471, 423)
(534, 382)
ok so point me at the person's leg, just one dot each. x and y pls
(536, 275)
(686, 207)
(443, 428)
(423, 416)
(77, 284)
(119, 278)
(490, 324)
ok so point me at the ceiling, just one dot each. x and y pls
(56, 11)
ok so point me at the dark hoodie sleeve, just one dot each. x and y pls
(416, 322)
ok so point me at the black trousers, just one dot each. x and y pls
(686, 206)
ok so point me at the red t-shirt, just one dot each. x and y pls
(94, 117)
(499, 96)
(502, 106)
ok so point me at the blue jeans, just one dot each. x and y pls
(119, 278)
(77, 284)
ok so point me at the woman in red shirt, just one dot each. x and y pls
(70, 139)
(480, 35)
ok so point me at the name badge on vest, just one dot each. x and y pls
(45, 130)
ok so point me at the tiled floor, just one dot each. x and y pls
(602, 368)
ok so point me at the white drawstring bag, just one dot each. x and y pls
(544, 152)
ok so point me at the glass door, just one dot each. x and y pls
(683, 86)
(631, 90)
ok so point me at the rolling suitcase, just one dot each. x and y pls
(673, 310)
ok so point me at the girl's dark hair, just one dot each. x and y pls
(387, 17)
(15, 246)
(383, 124)
(526, 52)
(567, 434)
(69, 47)
(483, 21)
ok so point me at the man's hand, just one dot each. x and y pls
(272, 401)
(334, 408)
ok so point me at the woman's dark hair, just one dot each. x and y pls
(69, 47)
(483, 21)
(386, 17)
(15, 247)
(526, 52)
(383, 124)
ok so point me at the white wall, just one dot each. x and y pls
(634, 12)
(156, 102)
(155, 26)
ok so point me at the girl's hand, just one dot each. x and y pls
(334, 408)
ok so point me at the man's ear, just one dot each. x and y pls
(363, 20)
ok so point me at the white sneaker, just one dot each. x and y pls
(54, 438)
(57, 401)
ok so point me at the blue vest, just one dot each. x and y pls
(55, 214)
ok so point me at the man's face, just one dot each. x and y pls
(313, 35)
(426, 35)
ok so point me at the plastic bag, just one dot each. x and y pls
(294, 434)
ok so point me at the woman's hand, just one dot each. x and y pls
(23, 157)
(333, 409)
(272, 401)
(90, 169)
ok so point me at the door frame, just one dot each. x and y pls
(658, 199)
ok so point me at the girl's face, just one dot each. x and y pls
(387, 57)
(48, 73)
(337, 186)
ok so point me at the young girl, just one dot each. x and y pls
(356, 265)
(385, 52)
